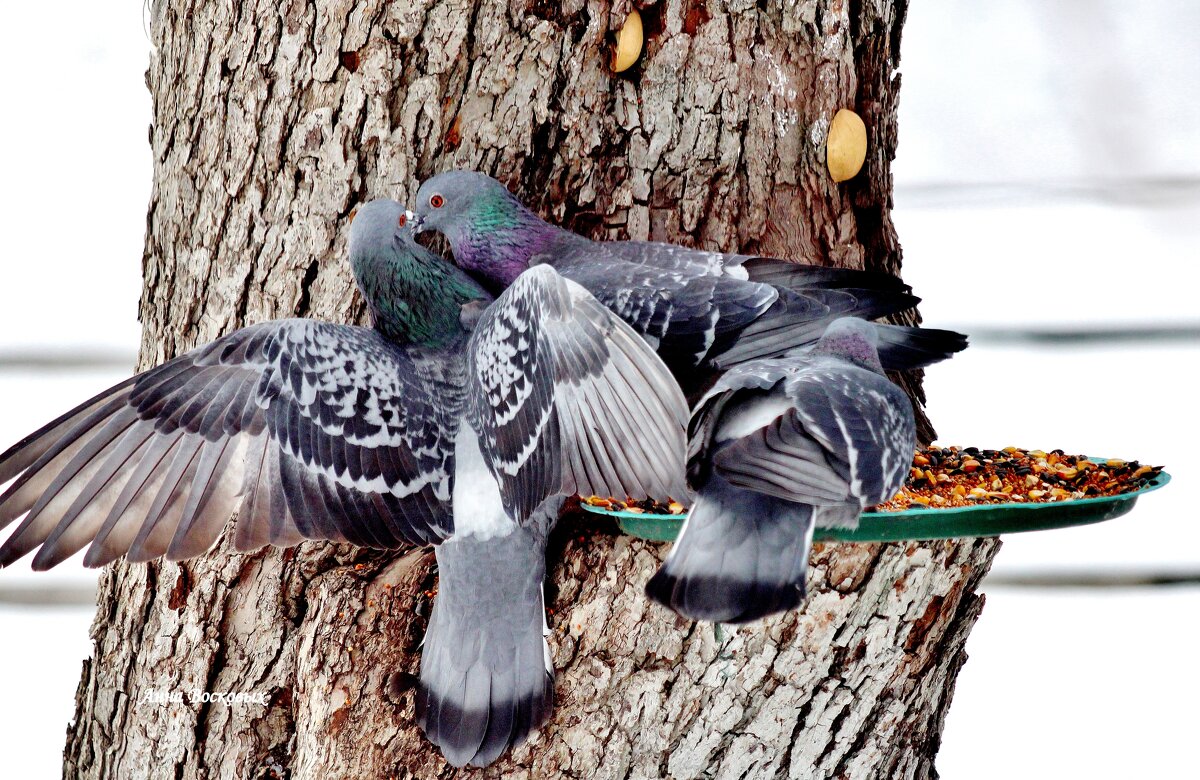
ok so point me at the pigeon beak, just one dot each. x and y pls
(415, 222)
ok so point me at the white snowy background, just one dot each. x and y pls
(1048, 178)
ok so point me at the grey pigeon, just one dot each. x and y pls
(410, 432)
(700, 310)
(777, 447)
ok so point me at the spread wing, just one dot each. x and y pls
(568, 399)
(842, 435)
(315, 431)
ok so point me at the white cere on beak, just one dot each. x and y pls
(414, 221)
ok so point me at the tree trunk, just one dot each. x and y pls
(271, 121)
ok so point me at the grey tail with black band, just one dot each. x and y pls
(486, 677)
(740, 556)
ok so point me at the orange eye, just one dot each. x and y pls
(403, 219)
(436, 201)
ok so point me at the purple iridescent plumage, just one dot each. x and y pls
(700, 310)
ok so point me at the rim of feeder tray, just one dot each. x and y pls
(926, 524)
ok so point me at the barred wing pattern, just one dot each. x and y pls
(571, 399)
(847, 437)
(316, 431)
(717, 311)
(687, 312)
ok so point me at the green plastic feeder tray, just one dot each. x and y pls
(920, 524)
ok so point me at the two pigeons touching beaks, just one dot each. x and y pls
(538, 366)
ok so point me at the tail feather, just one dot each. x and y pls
(485, 678)
(796, 276)
(837, 516)
(741, 556)
(902, 347)
(790, 325)
(797, 320)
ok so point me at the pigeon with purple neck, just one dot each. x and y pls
(700, 309)
(779, 446)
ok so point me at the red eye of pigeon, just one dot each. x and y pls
(436, 201)
(403, 219)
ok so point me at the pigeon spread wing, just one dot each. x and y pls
(847, 437)
(570, 400)
(315, 431)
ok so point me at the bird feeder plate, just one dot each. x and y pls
(925, 524)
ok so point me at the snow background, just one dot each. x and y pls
(1048, 177)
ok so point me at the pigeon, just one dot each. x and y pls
(778, 446)
(703, 311)
(454, 420)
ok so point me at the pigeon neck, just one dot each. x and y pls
(851, 348)
(500, 241)
(414, 296)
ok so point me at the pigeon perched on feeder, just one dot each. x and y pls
(438, 424)
(777, 447)
(700, 310)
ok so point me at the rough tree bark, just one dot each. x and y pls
(271, 120)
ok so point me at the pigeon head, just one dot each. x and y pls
(382, 244)
(374, 224)
(851, 339)
(414, 296)
(456, 201)
(492, 234)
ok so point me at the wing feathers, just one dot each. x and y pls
(634, 412)
(33, 447)
(163, 516)
(159, 463)
(568, 399)
(844, 437)
(253, 526)
(212, 500)
(115, 537)
(82, 520)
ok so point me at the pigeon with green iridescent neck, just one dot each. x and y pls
(315, 430)
(700, 310)
(438, 424)
(778, 446)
